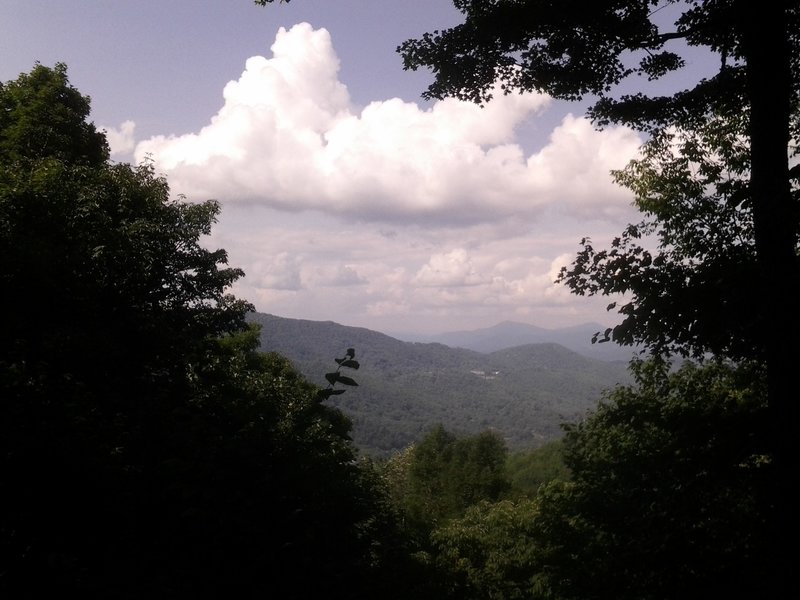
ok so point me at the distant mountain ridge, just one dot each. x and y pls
(509, 334)
(405, 388)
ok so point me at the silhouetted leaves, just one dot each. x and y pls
(336, 376)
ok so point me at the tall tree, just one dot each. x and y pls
(575, 49)
(147, 449)
(111, 299)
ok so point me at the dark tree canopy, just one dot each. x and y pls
(708, 279)
(111, 281)
(668, 496)
(688, 267)
(578, 48)
(739, 123)
(147, 448)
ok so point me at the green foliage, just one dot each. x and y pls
(444, 474)
(688, 267)
(490, 552)
(435, 487)
(431, 498)
(288, 496)
(668, 496)
(147, 448)
(111, 281)
(42, 116)
(715, 182)
(530, 470)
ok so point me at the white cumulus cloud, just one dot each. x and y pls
(288, 137)
(395, 216)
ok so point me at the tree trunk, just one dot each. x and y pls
(770, 90)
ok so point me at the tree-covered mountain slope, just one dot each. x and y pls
(405, 388)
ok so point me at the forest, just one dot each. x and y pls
(524, 393)
(151, 449)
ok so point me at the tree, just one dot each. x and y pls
(691, 292)
(98, 253)
(444, 474)
(266, 496)
(576, 49)
(491, 552)
(147, 448)
(432, 485)
(114, 298)
(667, 497)
(43, 116)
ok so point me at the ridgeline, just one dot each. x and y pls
(405, 388)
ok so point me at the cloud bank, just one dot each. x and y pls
(394, 215)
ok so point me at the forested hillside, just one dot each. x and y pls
(525, 393)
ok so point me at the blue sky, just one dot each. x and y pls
(345, 197)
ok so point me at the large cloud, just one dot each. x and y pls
(288, 137)
(395, 216)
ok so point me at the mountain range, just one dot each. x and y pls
(509, 334)
(525, 392)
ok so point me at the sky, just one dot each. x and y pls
(345, 197)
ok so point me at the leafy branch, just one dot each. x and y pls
(348, 362)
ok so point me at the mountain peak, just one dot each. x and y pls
(508, 334)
